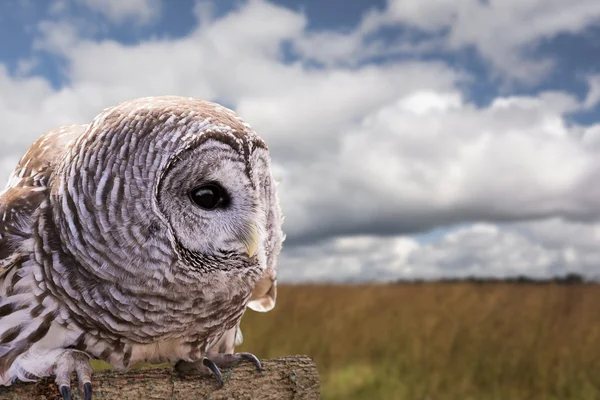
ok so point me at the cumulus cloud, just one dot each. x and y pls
(348, 259)
(506, 34)
(55, 36)
(432, 158)
(358, 46)
(368, 152)
(593, 97)
(140, 12)
(229, 60)
(541, 249)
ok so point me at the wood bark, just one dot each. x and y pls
(293, 377)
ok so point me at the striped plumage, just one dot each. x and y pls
(103, 251)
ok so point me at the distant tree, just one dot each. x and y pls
(570, 278)
(567, 279)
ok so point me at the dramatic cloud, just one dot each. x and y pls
(369, 151)
(431, 158)
(505, 33)
(540, 249)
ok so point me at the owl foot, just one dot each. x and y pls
(214, 369)
(212, 362)
(215, 360)
(231, 360)
(78, 362)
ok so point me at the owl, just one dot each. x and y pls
(141, 237)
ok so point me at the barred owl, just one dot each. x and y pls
(141, 237)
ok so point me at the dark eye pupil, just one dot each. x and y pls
(208, 196)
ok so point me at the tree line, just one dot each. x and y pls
(566, 279)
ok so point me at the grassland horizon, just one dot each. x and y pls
(438, 340)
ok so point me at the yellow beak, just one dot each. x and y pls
(251, 241)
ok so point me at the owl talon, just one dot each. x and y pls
(253, 359)
(87, 388)
(231, 360)
(73, 361)
(207, 362)
(65, 391)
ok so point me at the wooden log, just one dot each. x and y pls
(292, 377)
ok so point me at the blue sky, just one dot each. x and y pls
(413, 139)
(576, 55)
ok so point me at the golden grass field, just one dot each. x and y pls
(439, 340)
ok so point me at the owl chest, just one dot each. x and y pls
(179, 342)
(183, 330)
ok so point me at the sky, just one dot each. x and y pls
(413, 139)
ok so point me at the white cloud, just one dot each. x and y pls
(432, 158)
(391, 148)
(593, 97)
(430, 16)
(22, 116)
(55, 37)
(505, 33)
(541, 249)
(230, 60)
(58, 7)
(26, 66)
(484, 250)
(349, 259)
(350, 49)
(140, 12)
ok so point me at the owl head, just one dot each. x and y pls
(168, 188)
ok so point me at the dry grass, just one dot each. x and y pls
(439, 341)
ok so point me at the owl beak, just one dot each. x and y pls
(251, 241)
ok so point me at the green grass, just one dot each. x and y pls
(439, 341)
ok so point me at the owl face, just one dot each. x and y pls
(158, 187)
(211, 196)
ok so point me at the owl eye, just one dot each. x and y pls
(209, 196)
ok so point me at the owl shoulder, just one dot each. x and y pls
(27, 188)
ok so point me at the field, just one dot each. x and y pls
(439, 341)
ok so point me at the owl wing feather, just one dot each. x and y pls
(26, 188)
(24, 193)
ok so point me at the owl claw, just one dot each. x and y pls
(207, 362)
(87, 388)
(231, 360)
(213, 361)
(73, 361)
(253, 359)
(65, 391)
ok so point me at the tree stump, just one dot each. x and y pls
(293, 377)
